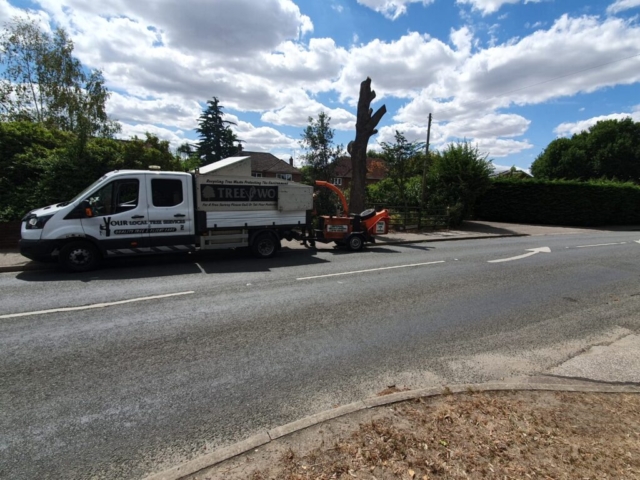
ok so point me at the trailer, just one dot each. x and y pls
(219, 206)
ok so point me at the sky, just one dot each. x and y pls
(509, 76)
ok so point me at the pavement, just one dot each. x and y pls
(613, 367)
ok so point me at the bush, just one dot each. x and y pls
(560, 202)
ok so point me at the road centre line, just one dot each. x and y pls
(601, 245)
(370, 270)
(95, 305)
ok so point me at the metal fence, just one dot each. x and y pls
(411, 218)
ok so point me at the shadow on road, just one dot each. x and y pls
(215, 262)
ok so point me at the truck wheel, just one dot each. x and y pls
(79, 256)
(264, 246)
(355, 243)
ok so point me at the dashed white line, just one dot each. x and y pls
(601, 245)
(370, 270)
(95, 305)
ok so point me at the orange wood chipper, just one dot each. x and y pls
(354, 230)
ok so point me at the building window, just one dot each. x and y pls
(256, 174)
(337, 181)
(284, 176)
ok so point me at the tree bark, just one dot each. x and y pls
(366, 124)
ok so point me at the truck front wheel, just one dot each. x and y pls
(264, 245)
(79, 256)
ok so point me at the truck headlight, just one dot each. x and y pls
(36, 223)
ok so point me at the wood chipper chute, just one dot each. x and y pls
(350, 230)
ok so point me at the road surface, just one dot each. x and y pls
(129, 370)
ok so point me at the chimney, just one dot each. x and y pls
(291, 161)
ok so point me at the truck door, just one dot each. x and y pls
(170, 213)
(119, 220)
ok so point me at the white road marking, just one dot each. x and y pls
(601, 245)
(200, 267)
(95, 305)
(531, 251)
(370, 270)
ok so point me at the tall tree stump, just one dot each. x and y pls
(366, 124)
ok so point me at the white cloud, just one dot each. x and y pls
(140, 130)
(487, 7)
(160, 111)
(229, 27)
(500, 147)
(621, 5)
(483, 132)
(571, 128)
(299, 107)
(261, 138)
(8, 12)
(583, 60)
(488, 126)
(391, 9)
(401, 68)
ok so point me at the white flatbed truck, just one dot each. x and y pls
(139, 212)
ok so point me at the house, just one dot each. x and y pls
(376, 171)
(515, 172)
(267, 165)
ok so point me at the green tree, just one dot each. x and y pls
(457, 177)
(43, 82)
(25, 151)
(217, 140)
(609, 149)
(320, 157)
(398, 157)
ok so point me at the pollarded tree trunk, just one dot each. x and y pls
(366, 124)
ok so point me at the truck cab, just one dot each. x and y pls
(124, 212)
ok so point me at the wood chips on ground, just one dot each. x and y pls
(500, 435)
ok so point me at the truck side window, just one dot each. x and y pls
(126, 195)
(115, 197)
(166, 192)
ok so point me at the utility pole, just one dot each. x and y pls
(424, 166)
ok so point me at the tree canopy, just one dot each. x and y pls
(610, 149)
(457, 177)
(41, 81)
(321, 155)
(217, 140)
(401, 158)
(40, 166)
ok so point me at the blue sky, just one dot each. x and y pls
(507, 75)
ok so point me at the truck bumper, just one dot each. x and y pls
(39, 250)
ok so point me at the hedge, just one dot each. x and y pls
(560, 202)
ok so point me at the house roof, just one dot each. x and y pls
(376, 168)
(266, 162)
(502, 171)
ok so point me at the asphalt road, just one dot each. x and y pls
(210, 350)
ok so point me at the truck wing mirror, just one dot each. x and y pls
(86, 208)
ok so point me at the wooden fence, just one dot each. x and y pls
(411, 218)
